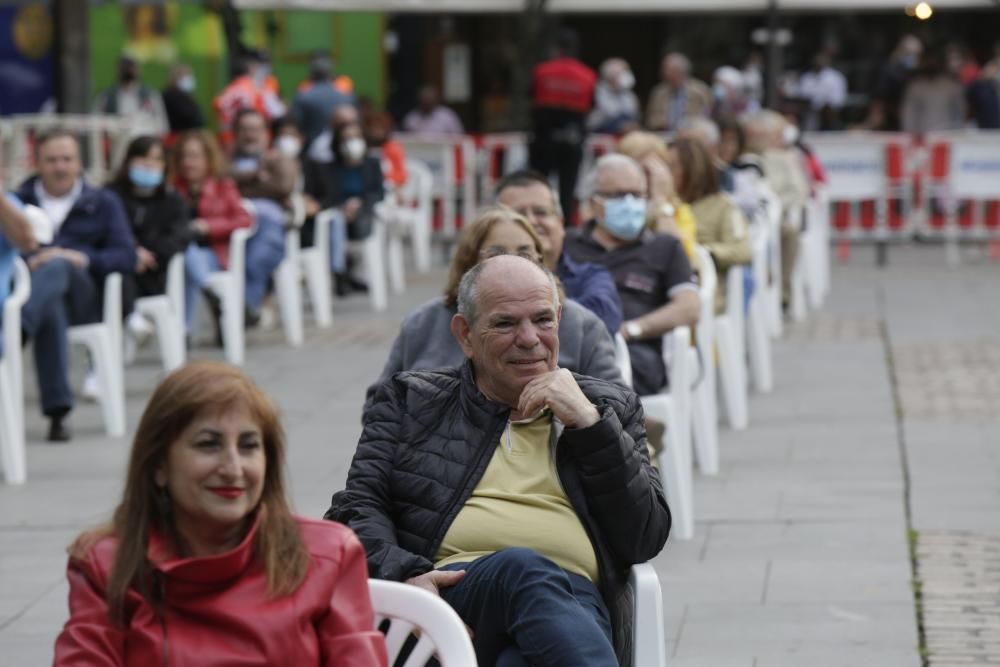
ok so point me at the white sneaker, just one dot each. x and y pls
(90, 391)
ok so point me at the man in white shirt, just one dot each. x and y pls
(431, 118)
(826, 90)
(90, 239)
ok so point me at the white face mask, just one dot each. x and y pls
(289, 145)
(790, 134)
(186, 83)
(354, 149)
(626, 80)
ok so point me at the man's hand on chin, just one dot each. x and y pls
(558, 391)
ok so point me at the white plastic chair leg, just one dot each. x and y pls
(732, 374)
(232, 325)
(112, 396)
(12, 454)
(396, 268)
(287, 285)
(759, 347)
(705, 425)
(160, 310)
(372, 254)
(649, 646)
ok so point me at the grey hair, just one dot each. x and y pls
(468, 288)
(702, 127)
(610, 161)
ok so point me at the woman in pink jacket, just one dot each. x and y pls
(203, 562)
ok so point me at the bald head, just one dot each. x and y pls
(503, 274)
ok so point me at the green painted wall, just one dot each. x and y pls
(195, 37)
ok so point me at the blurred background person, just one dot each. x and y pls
(677, 96)
(666, 213)
(431, 118)
(729, 91)
(616, 107)
(562, 96)
(721, 229)
(892, 82)
(253, 87)
(137, 103)
(183, 112)
(88, 237)
(825, 90)
(204, 514)
(982, 97)
(159, 220)
(215, 210)
(353, 184)
(318, 97)
(934, 98)
(392, 154)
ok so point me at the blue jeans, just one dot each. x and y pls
(199, 263)
(265, 250)
(62, 295)
(526, 610)
(338, 244)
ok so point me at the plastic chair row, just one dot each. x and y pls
(402, 610)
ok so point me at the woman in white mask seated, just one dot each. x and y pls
(351, 184)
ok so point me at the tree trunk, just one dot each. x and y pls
(532, 31)
(72, 56)
(230, 16)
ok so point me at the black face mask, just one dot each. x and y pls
(127, 75)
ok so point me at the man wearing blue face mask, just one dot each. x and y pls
(651, 270)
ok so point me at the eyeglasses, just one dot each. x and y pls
(536, 213)
(621, 194)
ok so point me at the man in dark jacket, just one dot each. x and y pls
(519, 492)
(90, 239)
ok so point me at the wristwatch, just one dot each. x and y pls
(668, 210)
(633, 329)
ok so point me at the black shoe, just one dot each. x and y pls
(58, 431)
(357, 285)
(215, 305)
(251, 317)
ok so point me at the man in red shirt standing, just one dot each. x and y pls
(563, 94)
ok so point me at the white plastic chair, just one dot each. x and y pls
(287, 286)
(704, 403)
(416, 202)
(673, 408)
(373, 258)
(167, 312)
(649, 646)
(315, 263)
(229, 286)
(104, 342)
(12, 451)
(388, 212)
(730, 339)
(798, 307)
(757, 337)
(412, 610)
(772, 287)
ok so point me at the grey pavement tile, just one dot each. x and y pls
(879, 626)
(815, 542)
(838, 581)
(692, 583)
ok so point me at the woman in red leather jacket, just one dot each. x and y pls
(203, 562)
(215, 208)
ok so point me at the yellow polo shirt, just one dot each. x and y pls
(520, 502)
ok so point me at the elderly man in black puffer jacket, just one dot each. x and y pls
(519, 492)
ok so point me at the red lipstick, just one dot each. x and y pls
(227, 491)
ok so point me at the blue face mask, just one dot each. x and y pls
(625, 217)
(142, 177)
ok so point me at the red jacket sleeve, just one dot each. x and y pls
(224, 213)
(347, 634)
(88, 639)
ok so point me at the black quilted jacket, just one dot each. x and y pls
(427, 440)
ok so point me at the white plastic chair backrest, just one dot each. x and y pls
(411, 610)
(623, 359)
(418, 190)
(321, 235)
(677, 356)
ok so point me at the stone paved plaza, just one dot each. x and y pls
(884, 420)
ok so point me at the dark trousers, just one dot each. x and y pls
(526, 610)
(562, 158)
(62, 295)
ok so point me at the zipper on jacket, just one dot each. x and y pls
(465, 488)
